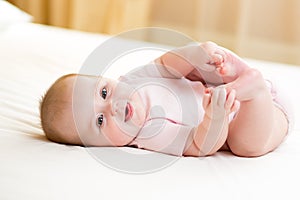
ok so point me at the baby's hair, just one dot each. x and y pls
(52, 106)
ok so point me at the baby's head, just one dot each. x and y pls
(56, 112)
(91, 111)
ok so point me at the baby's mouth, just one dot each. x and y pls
(128, 112)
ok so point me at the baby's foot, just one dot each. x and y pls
(227, 63)
(249, 85)
(216, 55)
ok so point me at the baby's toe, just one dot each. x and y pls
(218, 59)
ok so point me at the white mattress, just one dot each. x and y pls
(32, 56)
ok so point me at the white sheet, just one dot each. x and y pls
(32, 56)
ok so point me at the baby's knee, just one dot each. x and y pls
(254, 74)
(256, 77)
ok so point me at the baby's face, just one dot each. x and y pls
(106, 112)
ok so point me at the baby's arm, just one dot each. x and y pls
(212, 132)
(183, 61)
(206, 62)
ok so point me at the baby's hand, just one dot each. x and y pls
(220, 58)
(218, 104)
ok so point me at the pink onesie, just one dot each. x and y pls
(175, 109)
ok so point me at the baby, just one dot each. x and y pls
(191, 101)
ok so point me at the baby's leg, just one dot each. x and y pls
(259, 126)
(229, 65)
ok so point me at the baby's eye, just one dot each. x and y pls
(100, 120)
(103, 93)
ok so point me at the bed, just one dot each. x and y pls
(32, 56)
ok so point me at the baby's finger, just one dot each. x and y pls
(217, 59)
(223, 71)
(208, 90)
(221, 53)
(230, 99)
(219, 69)
(215, 96)
(206, 100)
(235, 107)
(222, 96)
